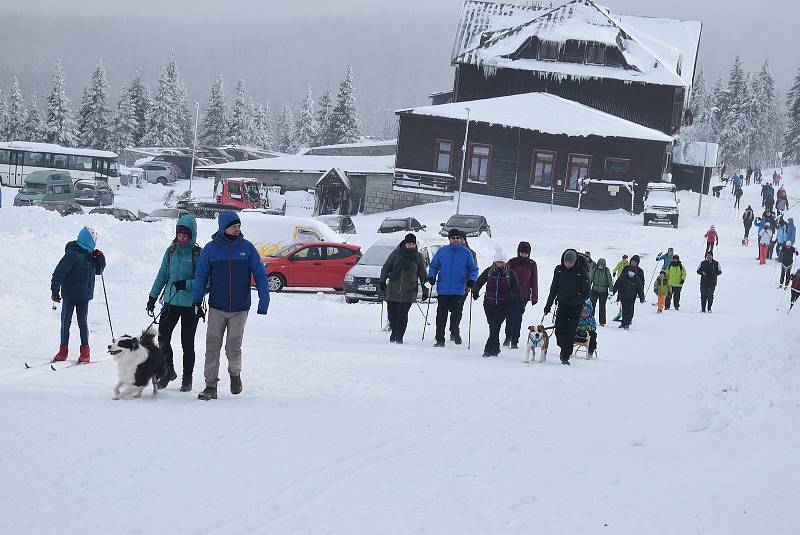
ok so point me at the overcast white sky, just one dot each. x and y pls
(400, 49)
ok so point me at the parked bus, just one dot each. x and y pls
(20, 158)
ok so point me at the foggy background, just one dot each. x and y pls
(399, 50)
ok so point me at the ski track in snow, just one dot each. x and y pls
(687, 423)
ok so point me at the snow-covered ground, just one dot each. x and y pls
(687, 423)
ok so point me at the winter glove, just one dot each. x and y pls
(470, 283)
(432, 280)
(263, 306)
(179, 285)
(97, 252)
(425, 293)
(641, 300)
(476, 295)
(151, 304)
(55, 297)
(383, 286)
(197, 308)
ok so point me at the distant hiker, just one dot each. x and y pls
(72, 285)
(587, 328)
(662, 289)
(228, 263)
(723, 166)
(778, 179)
(788, 252)
(781, 205)
(736, 182)
(570, 288)
(712, 238)
(665, 257)
(455, 269)
(528, 279)
(780, 237)
(764, 239)
(708, 270)
(716, 190)
(791, 231)
(590, 264)
(737, 193)
(774, 241)
(502, 289)
(620, 267)
(795, 287)
(749, 172)
(676, 274)
(747, 221)
(176, 278)
(628, 287)
(601, 285)
(405, 271)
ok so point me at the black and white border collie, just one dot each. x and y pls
(139, 361)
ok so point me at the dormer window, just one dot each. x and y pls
(596, 55)
(548, 50)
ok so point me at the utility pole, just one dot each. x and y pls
(463, 163)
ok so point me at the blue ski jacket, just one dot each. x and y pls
(452, 265)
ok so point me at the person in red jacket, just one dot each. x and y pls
(795, 287)
(528, 278)
(712, 238)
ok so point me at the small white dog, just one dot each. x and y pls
(139, 361)
(537, 338)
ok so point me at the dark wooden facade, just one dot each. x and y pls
(510, 171)
(656, 106)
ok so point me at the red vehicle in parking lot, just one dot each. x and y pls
(311, 265)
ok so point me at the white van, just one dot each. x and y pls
(661, 204)
(270, 233)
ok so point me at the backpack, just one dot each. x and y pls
(196, 250)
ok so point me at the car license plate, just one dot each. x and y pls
(367, 287)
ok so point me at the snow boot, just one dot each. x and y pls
(84, 356)
(186, 383)
(209, 393)
(439, 344)
(169, 375)
(507, 341)
(486, 355)
(63, 351)
(398, 340)
(456, 338)
(514, 345)
(236, 384)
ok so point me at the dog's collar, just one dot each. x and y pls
(535, 342)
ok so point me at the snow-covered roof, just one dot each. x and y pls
(312, 164)
(340, 174)
(659, 51)
(364, 143)
(52, 147)
(695, 153)
(542, 112)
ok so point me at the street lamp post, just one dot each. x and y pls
(194, 146)
(463, 163)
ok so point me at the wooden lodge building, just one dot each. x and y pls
(553, 101)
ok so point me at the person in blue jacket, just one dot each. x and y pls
(454, 267)
(72, 285)
(227, 264)
(176, 278)
(791, 231)
(665, 257)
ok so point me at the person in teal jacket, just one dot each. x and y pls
(176, 279)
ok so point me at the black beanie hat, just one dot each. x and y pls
(454, 233)
(233, 222)
(524, 247)
(410, 238)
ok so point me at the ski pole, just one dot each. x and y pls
(105, 295)
(427, 309)
(780, 303)
(381, 318)
(422, 313)
(653, 276)
(469, 331)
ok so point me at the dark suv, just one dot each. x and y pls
(400, 224)
(473, 225)
(93, 193)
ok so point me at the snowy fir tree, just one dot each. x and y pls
(791, 152)
(262, 125)
(60, 125)
(141, 100)
(345, 114)
(35, 128)
(704, 126)
(16, 115)
(326, 135)
(240, 127)
(284, 131)
(214, 128)
(767, 120)
(124, 126)
(735, 115)
(188, 117)
(166, 119)
(3, 114)
(305, 124)
(93, 116)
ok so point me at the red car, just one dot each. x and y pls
(311, 265)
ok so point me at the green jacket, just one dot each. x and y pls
(404, 275)
(601, 278)
(662, 285)
(676, 274)
(177, 265)
(620, 266)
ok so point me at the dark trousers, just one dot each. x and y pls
(601, 298)
(451, 305)
(675, 297)
(736, 204)
(706, 297)
(495, 316)
(786, 275)
(514, 320)
(747, 230)
(170, 315)
(398, 318)
(628, 306)
(710, 247)
(566, 326)
(795, 295)
(771, 249)
(68, 306)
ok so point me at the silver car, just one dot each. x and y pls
(160, 214)
(159, 172)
